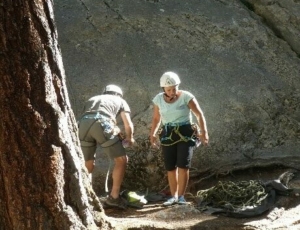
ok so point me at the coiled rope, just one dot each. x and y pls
(234, 195)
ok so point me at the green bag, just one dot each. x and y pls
(133, 199)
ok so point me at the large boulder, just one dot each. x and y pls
(239, 58)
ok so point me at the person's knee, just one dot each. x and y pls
(170, 168)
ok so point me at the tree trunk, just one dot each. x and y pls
(43, 181)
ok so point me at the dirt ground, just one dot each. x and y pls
(285, 214)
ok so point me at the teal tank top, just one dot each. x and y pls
(177, 112)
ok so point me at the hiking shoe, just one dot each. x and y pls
(181, 200)
(116, 203)
(170, 201)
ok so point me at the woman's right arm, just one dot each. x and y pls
(156, 120)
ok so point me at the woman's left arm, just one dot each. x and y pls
(194, 106)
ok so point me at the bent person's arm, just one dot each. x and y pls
(128, 126)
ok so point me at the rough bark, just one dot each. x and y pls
(43, 183)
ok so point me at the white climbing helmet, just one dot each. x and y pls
(113, 89)
(169, 79)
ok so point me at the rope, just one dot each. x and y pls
(233, 195)
(176, 131)
(145, 169)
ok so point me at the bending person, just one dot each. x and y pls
(97, 125)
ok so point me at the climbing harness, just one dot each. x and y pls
(108, 129)
(172, 133)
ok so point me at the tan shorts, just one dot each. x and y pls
(90, 135)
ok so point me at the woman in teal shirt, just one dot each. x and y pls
(178, 136)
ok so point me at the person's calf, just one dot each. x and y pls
(90, 164)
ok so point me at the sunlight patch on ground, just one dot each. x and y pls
(279, 218)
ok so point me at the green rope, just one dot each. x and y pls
(182, 138)
(233, 194)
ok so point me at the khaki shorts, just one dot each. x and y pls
(90, 135)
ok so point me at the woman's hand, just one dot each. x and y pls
(204, 138)
(154, 142)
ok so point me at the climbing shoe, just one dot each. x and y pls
(170, 201)
(181, 200)
(116, 203)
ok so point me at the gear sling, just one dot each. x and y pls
(172, 133)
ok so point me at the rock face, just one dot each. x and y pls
(239, 58)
